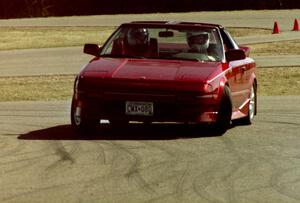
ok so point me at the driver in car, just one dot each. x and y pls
(198, 42)
(138, 42)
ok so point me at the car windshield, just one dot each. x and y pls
(200, 44)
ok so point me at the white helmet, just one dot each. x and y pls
(198, 40)
(137, 36)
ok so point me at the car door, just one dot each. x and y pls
(239, 82)
(238, 75)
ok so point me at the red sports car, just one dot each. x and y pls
(167, 72)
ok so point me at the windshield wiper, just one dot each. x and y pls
(182, 58)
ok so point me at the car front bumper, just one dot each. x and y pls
(166, 107)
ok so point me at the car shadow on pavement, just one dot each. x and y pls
(130, 132)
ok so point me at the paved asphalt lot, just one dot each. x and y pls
(43, 160)
(42, 61)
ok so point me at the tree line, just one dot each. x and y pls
(44, 8)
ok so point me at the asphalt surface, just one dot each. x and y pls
(42, 159)
(50, 61)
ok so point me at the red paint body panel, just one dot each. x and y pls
(151, 69)
(180, 90)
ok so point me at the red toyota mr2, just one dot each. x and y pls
(156, 71)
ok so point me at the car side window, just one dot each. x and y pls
(228, 41)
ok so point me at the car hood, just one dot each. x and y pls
(150, 69)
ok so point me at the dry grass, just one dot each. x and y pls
(272, 81)
(34, 88)
(267, 49)
(276, 48)
(242, 32)
(279, 81)
(45, 37)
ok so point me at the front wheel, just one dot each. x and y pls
(225, 111)
(79, 118)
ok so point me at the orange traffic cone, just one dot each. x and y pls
(276, 28)
(296, 25)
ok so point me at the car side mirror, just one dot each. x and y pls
(235, 54)
(92, 49)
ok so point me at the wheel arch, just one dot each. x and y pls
(222, 83)
(253, 82)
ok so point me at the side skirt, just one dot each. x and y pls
(242, 111)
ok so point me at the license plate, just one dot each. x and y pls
(139, 108)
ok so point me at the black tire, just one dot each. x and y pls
(82, 123)
(248, 120)
(225, 111)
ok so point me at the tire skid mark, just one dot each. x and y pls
(282, 112)
(252, 165)
(181, 181)
(100, 180)
(204, 180)
(38, 152)
(117, 171)
(18, 158)
(62, 153)
(281, 122)
(70, 149)
(20, 168)
(276, 173)
(175, 157)
(103, 182)
(169, 163)
(213, 176)
(175, 168)
(14, 150)
(45, 189)
(163, 197)
(133, 172)
(281, 186)
(177, 153)
(238, 164)
(24, 159)
(102, 154)
(116, 175)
